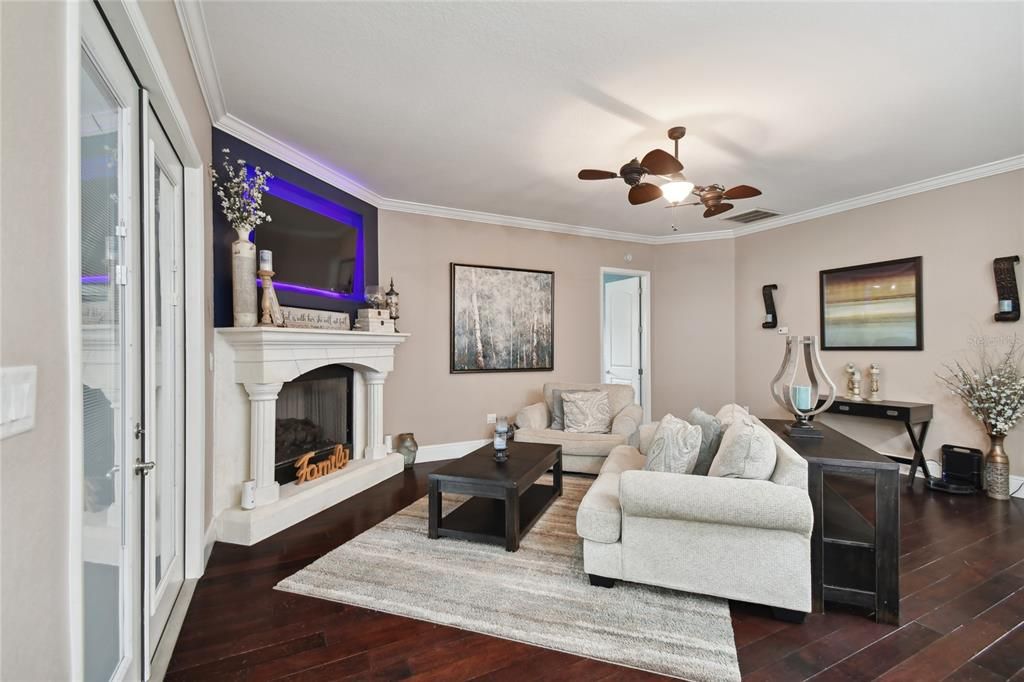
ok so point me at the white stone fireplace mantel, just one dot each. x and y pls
(261, 360)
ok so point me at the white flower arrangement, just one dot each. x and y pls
(992, 388)
(241, 196)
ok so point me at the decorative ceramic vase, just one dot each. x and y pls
(407, 446)
(243, 282)
(997, 469)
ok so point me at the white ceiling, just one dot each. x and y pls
(495, 106)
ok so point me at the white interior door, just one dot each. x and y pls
(622, 344)
(110, 355)
(163, 468)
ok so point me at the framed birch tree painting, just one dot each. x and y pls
(502, 319)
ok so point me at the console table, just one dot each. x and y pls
(852, 561)
(910, 414)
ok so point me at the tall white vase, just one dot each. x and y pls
(243, 282)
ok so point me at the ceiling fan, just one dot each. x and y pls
(714, 198)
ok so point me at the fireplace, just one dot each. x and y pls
(314, 414)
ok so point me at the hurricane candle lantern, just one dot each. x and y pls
(801, 400)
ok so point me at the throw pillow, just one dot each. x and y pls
(587, 411)
(675, 446)
(747, 451)
(558, 409)
(711, 438)
(730, 413)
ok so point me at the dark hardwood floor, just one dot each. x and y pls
(962, 611)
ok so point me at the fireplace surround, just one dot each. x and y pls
(253, 365)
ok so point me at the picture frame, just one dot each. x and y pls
(501, 319)
(874, 306)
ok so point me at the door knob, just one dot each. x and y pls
(143, 468)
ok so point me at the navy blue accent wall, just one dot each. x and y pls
(223, 235)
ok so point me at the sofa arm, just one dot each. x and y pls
(646, 435)
(627, 422)
(707, 499)
(533, 417)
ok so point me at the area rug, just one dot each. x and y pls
(539, 595)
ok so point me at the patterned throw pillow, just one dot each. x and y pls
(747, 451)
(711, 438)
(675, 446)
(558, 408)
(587, 411)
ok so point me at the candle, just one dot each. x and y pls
(1005, 305)
(802, 397)
(266, 260)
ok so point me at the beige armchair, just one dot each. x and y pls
(582, 452)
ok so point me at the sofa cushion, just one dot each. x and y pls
(675, 446)
(711, 438)
(747, 451)
(619, 395)
(591, 444)
(587, 412)
(599, 517)
(623, 458)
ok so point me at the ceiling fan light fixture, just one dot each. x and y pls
(677, 191)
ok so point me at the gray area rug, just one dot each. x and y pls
(538, 595)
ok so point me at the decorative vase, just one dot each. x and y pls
(243, 282)
(407, 446)
(997, 469)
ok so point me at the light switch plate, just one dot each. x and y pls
(783, 330)
(492, 418)
(17, 400)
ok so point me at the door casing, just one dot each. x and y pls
(645, 323)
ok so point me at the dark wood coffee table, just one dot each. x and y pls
(506, 498)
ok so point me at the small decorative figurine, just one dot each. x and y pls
(407, 446)
(875, 394)
(853, 382)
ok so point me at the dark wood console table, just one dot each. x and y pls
(852, 561)
(910, 414)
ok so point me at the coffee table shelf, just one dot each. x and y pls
(482, 519)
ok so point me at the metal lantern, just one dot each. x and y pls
(801, 400)
(392, 302)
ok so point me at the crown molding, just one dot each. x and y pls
(193, 22)
(197, 38)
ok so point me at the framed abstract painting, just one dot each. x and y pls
(502, 319)
(876, 306)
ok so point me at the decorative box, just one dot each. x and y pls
(373, 314)
(386, 326)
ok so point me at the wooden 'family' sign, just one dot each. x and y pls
(307, 471)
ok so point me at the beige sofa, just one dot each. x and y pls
(582, 452)
(727, 537)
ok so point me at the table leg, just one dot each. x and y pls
(511, 519)
(918, 442)
(434, 515)
(815, 489)
(887, 547)
(557, 474)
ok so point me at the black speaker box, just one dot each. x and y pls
(962, 466)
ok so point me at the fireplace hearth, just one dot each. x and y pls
(314, 414)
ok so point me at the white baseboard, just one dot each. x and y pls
(208, 539)
(435, 453)
(1015, 481)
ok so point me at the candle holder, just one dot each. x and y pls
(272, 315)
(391, 298)
(785, 389)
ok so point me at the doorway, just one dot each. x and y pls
(625, 332)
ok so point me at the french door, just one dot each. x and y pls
(132, 358)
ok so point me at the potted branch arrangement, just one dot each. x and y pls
(992, 388)
(241, 197)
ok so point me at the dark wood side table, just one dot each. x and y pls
(910, 414)
(506, 498)
(852, 561)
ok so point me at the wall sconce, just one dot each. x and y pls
(771, 319)
(1006, 288)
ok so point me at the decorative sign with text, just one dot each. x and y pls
(308, 470)
(301, 318)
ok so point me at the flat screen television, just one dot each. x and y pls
(317, 248)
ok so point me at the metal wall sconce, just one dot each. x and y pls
(771, 319)
(1006, 288)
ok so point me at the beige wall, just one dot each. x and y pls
(34, 468)
(34, 478)
(421, 396)
(957, 230)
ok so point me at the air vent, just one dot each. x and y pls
(751, 216)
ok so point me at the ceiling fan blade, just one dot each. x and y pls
(660, 162)
(715, 210)
(741, 192)
(692, 203)
(590, 174)
(644, 192)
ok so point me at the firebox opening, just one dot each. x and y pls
(314, 413)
